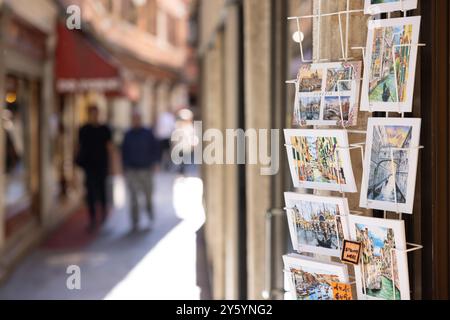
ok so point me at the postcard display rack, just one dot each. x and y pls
(395, 253)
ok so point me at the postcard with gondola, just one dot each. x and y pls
(317, 224)
(389, 73)
(328, 94)
(313, 280)
(383, 271)
(374, 7)
(392, 151)
(320, 159)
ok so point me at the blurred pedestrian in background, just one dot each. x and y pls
(140, 154)
(93, 156)
(164, 129)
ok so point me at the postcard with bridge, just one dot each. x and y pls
(392, 151)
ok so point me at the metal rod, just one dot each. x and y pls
(347, 31)
(325, 14)
(342, 38)
(319, 31)
(301, 43)
(353, 146)
(357, 131)
(415, 247)
(268, 278)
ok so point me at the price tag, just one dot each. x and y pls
(351, 252)
(342, 291)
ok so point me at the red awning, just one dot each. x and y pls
(81, 67)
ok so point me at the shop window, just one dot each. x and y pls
(15, 116)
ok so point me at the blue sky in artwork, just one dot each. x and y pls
(377, 242)
(398, 32)
(377, 234)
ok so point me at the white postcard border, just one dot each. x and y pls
(398, 226)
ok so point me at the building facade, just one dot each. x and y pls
(28, 134)
(146, 40)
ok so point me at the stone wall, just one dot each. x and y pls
(258, 112)
(220, 55)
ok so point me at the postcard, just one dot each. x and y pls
(328, 94)
(392, 147)
(389, 73)
(313, 280)
(317, 224)
(320, 159)
(383, 271)
(374, 7)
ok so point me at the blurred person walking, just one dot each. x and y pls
(94, 152)
(140, 154)
(165, 127)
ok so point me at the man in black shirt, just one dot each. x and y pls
(95, 145)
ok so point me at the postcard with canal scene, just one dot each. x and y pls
(392, 152)
(374, 7)
(313, 280)
(389, 74)
(317, 224)
(320, 159)
(383, 271)
(328, 94)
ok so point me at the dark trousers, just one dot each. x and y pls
(95, 181)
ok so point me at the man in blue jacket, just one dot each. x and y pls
(140, 154)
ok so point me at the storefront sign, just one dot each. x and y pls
(351, 252)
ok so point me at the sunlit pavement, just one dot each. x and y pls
(116, 264)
